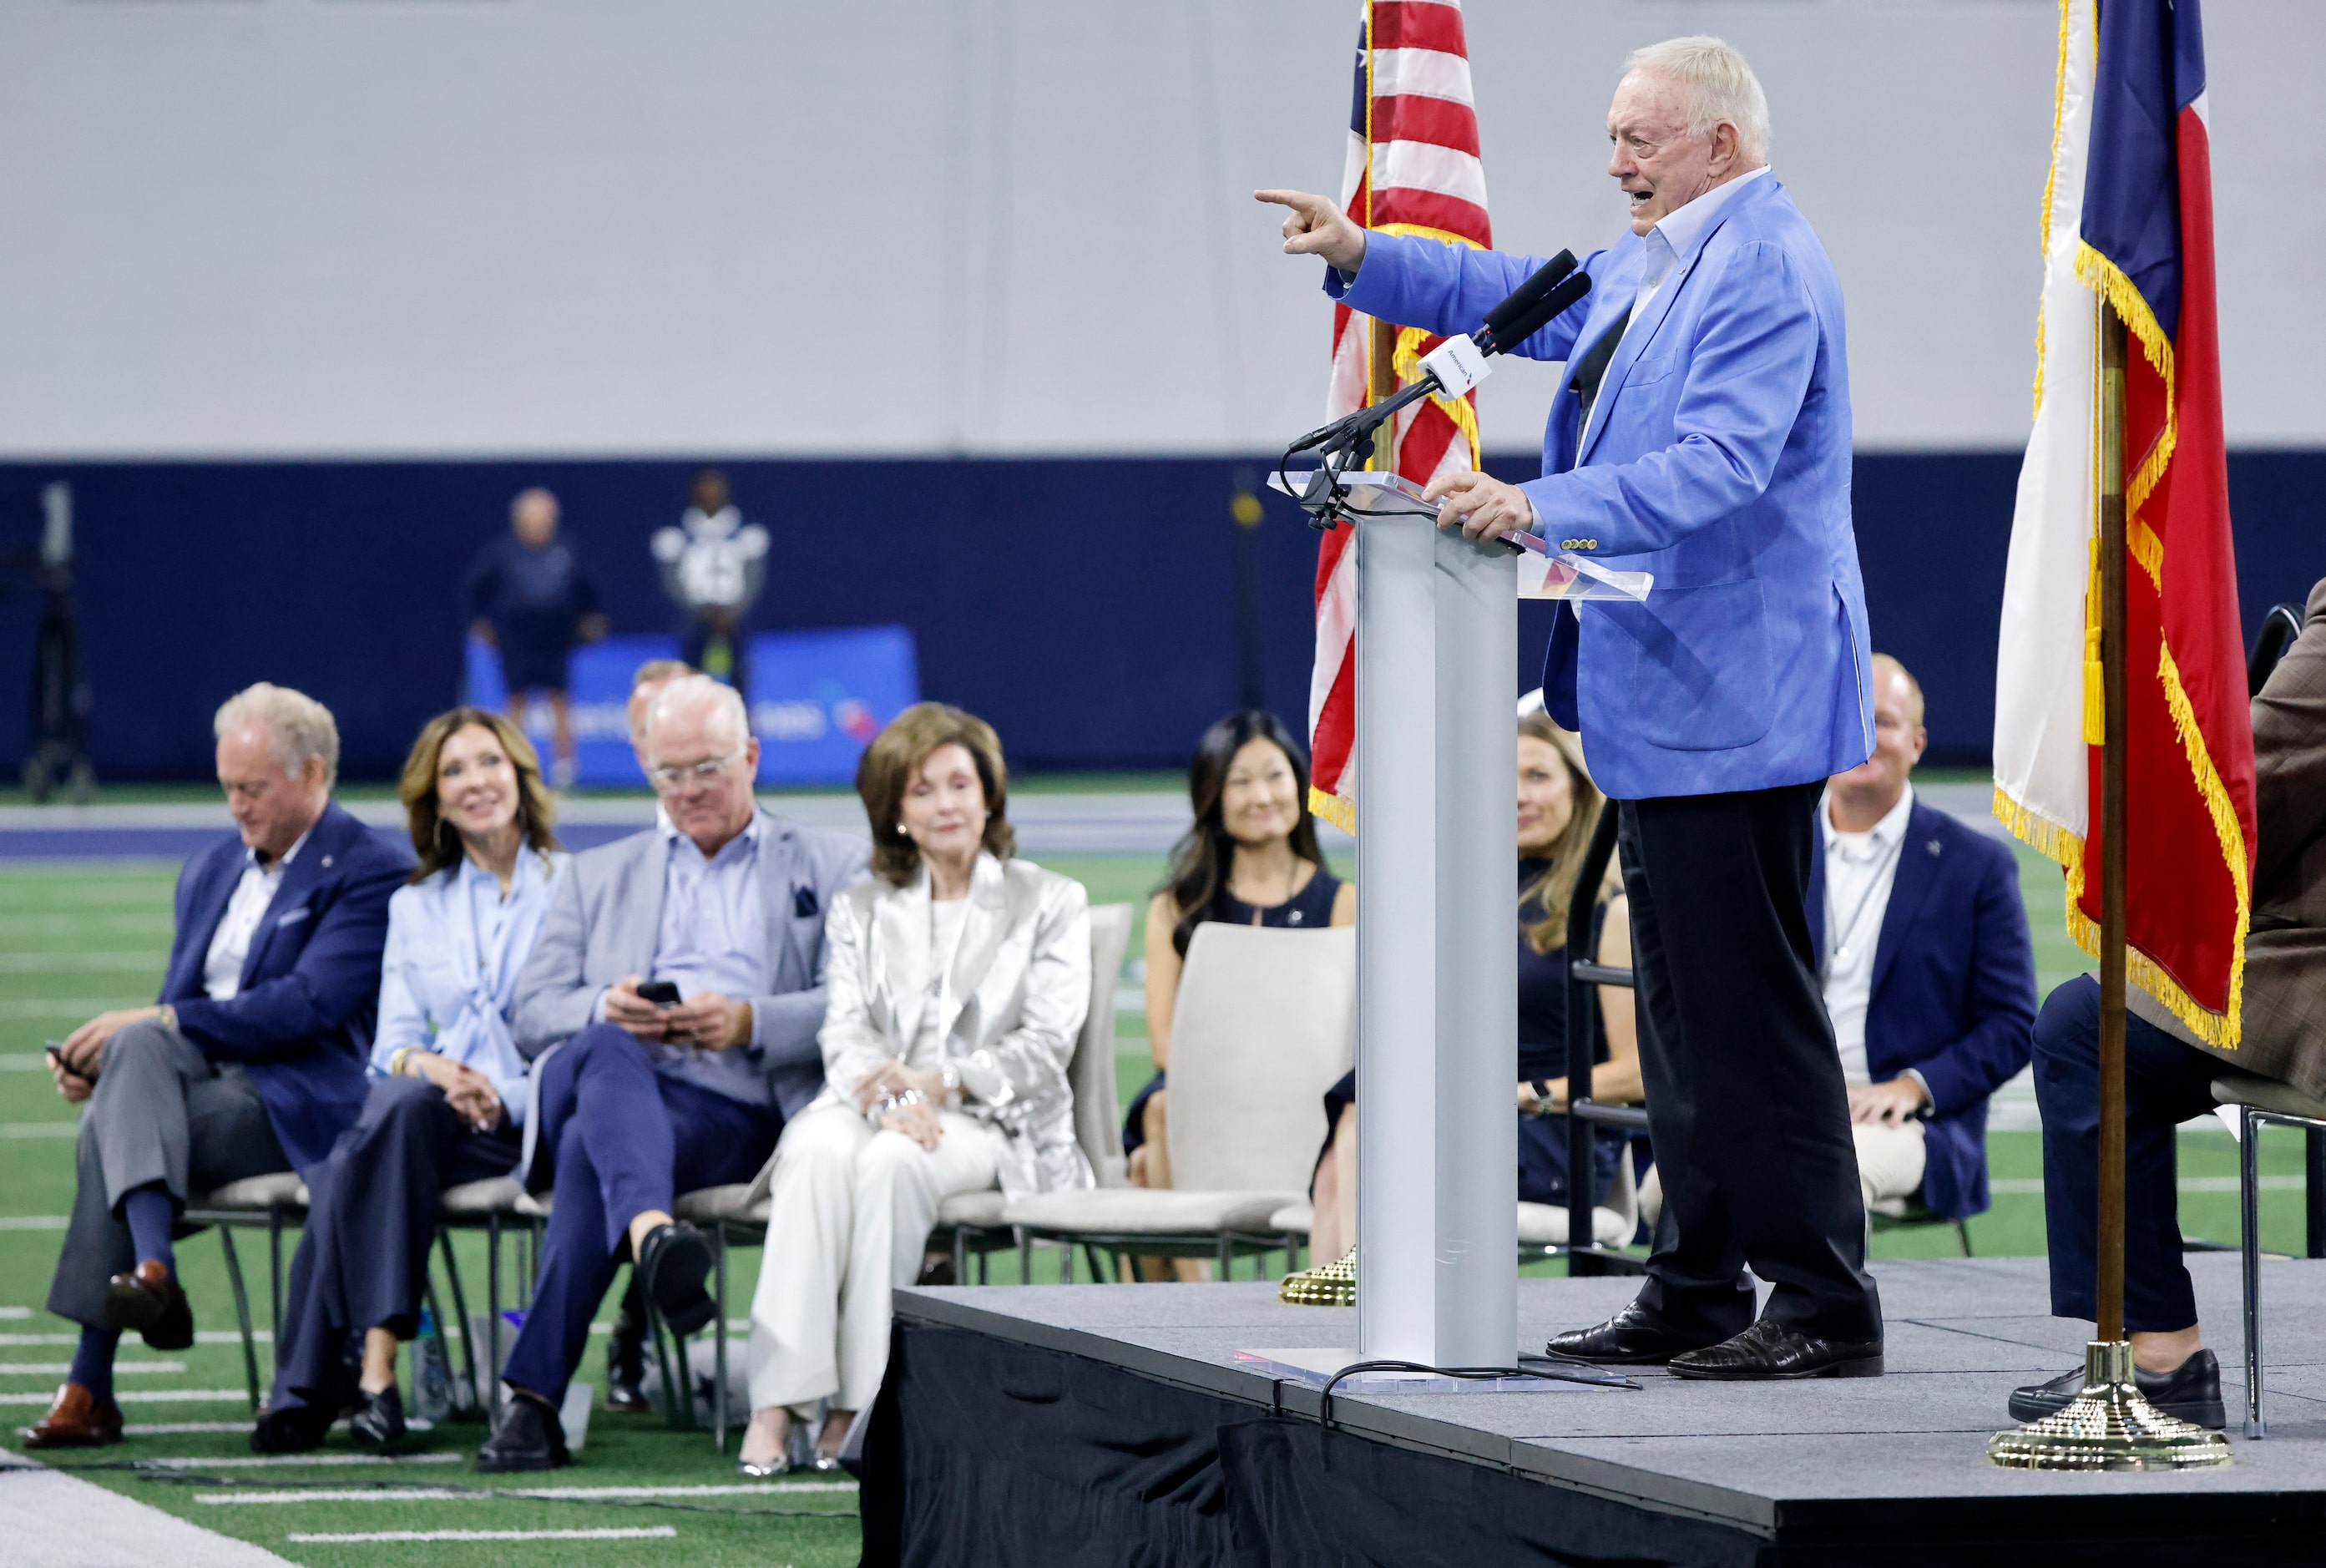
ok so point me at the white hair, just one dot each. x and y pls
(1720, 86)
(302, 727)
(692, 690)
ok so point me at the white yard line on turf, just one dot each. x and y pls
(58, 1368)
(16, 1314)
(150, 1396)
(295, 1460)
(24, 1061)
(40, 1129)
(35, 1221)
(70, 962)
(643, 1533)
(26, 1341)
(2032, 1186)
(49, 1517)
(531, 1494)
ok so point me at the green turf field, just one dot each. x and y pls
(75, 939)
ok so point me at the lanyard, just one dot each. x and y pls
(1838, 942)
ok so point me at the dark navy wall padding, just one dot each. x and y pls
(1086, 607)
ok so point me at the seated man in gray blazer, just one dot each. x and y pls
(671, 1006)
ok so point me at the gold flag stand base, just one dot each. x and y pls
(1329, 1285)
(2109, 1426)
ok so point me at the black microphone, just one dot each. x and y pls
(1519, 325)
(1523, 300)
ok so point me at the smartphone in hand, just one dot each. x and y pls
(661, 993)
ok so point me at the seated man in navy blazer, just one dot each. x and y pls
(253, 1061)
(638, 1097)
(1929, 976)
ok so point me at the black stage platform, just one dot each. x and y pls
(1111, 1424)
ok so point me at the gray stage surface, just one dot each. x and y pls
(1826, 1460)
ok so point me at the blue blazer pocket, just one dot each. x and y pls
(1708, 688)
(1650, 368)
(291, 917)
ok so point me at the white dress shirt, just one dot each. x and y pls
(1859, 869)
(230, 943)
(714, 936)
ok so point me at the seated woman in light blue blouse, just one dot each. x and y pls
(448, 1106)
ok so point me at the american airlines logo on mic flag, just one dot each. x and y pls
(1413, 169)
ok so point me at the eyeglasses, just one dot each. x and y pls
(670, 780)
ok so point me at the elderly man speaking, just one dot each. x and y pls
(1702, 435)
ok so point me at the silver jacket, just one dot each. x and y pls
(1014, 1007)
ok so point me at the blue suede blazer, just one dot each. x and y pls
(1954, 991)
(301, 1024)
(1718, 457)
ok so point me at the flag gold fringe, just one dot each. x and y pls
(2050, 178)
(2224, 1029)
(2105, 279)
(1342, 814)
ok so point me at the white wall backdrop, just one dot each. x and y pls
(449, 226)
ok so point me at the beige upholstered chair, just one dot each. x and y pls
(1264, 1023)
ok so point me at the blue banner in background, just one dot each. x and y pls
(817, 698)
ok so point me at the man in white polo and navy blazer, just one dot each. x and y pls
(642, 1099)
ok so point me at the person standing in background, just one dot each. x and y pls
(713, 564)
(528, 594)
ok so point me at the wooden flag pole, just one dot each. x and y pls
(2110, 1425)
(1380, 381)
(2113, 618)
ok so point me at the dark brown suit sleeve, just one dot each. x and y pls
(2289, 724)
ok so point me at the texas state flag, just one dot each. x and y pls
(2128, 226)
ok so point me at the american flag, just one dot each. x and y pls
(1413, 169)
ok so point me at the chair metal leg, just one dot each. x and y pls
(1090, 1256)
(961, 1255)
(1962, 1229)
(1066, 1261)
(493, 1317)
(2249, 1207)
(1227, 1260)
(275, 1274)
(1025, 1258)
(242, 1313)
(719, 1340)
(475, 1402)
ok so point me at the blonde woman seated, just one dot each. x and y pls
(958, 980)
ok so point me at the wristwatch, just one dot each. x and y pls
(1542, 1103)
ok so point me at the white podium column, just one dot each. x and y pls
(1436, 946)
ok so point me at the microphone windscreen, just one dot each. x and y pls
(1526, 325)
(1528, 295)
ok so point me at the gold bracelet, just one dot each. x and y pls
(397, 1063)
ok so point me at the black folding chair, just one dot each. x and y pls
(1584, 1254)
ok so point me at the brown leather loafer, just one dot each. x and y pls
(149, 1300)
(1769, 1351)
(77, 1419)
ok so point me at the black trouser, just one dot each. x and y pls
(1747, 1106)
(2166, 1084)
(362, 1261)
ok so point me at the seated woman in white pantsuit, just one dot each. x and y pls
(958, 981)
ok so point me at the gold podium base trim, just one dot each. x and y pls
(1329, 1285)
(2109, 1426)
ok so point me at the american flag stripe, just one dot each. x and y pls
(1412, 167)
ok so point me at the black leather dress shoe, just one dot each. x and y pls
(148, 1298)
(378, 1420)
(1631, 1338)
(527, 1437)
(2191, 1391)
(292, 1429)
(674, 1261)
(1770, 1351)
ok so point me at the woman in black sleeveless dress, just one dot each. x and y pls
(1250, 858)
(1558, 808)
